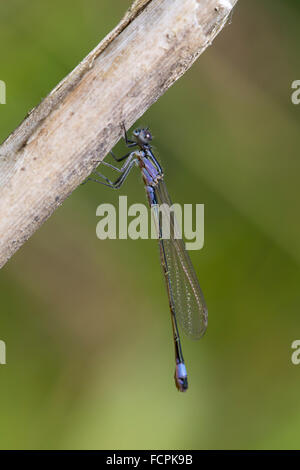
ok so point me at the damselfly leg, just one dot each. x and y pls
(119, 159)
(125, 170)
(129, 143)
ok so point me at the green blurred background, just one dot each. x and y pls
(86, 322)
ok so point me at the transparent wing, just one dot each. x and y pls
(189, 303)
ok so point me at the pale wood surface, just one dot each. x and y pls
(56, 146)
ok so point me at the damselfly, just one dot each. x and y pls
(187, 304)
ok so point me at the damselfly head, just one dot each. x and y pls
(143, 136)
